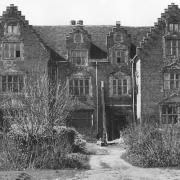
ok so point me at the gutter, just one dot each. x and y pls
(133, 88)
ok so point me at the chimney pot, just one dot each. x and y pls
(73, 22)
(80, 22)
(118, 23)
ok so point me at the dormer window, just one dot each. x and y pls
(78, 38)
(172, 47)
(79, 57)
(121, 56)
(12, 29)
(12, 50)
(174, 27)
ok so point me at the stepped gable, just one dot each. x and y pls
(115, 30)
(172, 13)
(12, 13)
(55, 36)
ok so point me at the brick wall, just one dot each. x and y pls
(151, 78)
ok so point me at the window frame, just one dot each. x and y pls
(82, 89)
(20, 85)
(12, 56)
(174, 27)
(171, 82)
(119, 86)
(172, 47)
(122, 54)
(82, 58)
(167, 117)
(14, 31)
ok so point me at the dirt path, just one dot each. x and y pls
(107, 165)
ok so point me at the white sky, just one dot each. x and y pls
(92, 12)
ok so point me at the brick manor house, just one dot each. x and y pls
(123, 74)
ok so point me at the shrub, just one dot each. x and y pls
(150, 146)
(42, 150)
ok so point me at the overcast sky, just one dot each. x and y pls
(92, 12)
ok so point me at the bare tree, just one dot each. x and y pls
(42, 105)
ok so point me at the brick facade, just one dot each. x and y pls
(159, 57)
(83, 56)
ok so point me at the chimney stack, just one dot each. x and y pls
(80, 22)
(118, 23)
(73, 22)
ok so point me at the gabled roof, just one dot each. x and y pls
(55, 36)
(170, 15)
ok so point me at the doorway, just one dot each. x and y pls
(116, 122)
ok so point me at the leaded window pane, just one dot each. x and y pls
(79, 57)
(11, 50)
(79, 87)
(12, 83)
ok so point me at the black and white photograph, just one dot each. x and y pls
(89, 90)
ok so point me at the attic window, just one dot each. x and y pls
(12, 50)
(174, 27)
(79, 57)
(12, 29)
(121, 56)
(78, 38)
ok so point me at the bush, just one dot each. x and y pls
(150, 146)
(42, 150)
